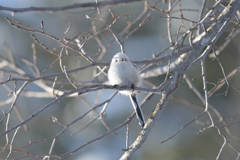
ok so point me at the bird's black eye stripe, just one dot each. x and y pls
(121, 59)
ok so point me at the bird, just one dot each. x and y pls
(122, 72)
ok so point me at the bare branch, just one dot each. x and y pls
(74, 6)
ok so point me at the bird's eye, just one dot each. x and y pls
(125, 59)
(116, 60)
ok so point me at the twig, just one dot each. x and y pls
(11, 144)
(38, 73)
(224, 75)
(183, 127)
(127, 136)
(206, 96)
(169, 22)
(10, 54)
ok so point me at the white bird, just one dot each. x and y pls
(122, 72)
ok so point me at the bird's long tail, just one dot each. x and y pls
(137, 109)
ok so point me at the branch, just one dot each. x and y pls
(68, 7)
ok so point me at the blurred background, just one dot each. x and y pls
(151, 38)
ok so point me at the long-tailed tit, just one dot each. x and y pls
(122, 72)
